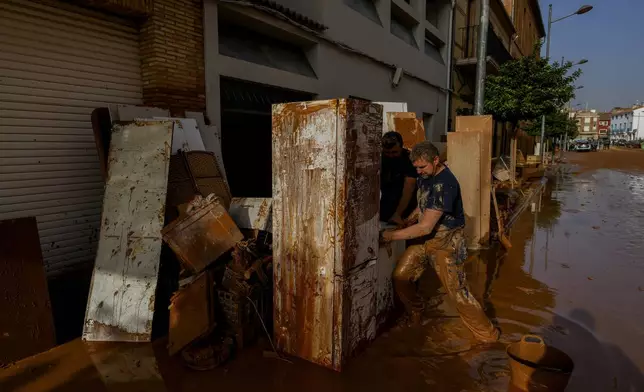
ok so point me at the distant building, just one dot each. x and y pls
(627, 123)
(587, 123)
(603, 127)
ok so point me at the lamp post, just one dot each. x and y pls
(582, 10)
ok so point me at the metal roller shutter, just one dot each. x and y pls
(57, 64)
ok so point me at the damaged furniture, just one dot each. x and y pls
(326, 163)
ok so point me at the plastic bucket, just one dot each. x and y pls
(536, 367)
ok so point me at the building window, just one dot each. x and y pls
(244, 44)
(366, 8)
(434, 11)
(433, 47)
(402, 30)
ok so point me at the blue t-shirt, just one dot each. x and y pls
(443, 193)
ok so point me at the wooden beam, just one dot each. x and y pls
(482, 125)
(463, 155)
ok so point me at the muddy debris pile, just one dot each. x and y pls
(211, 257)
(224, 300)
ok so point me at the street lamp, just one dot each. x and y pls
(582, 10)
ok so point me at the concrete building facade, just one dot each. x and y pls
(263, 52)
(587, 124)
(627, 123)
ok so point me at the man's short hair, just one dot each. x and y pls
(392, 139)
(424, 150)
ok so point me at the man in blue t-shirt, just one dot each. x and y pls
(439, 217)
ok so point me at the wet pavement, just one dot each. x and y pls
(575, 275)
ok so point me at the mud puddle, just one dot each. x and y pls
(574, 275)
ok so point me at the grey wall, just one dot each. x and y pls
(340, 73)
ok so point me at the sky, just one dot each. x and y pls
(610, 37)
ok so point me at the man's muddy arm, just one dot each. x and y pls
(407, 194)
(412, 218)
(422, 228)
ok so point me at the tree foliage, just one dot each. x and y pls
(529, 87)
(558, 124)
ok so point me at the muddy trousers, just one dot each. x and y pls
(442, 255)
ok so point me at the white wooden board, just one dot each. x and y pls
(121, 298)
(186, 134)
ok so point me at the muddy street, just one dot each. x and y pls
(574, 275)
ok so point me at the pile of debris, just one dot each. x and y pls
(225, 289)
(165, 182)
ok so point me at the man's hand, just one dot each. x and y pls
(386, 236)
(396, 219)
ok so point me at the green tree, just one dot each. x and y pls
(529, 87)
(558, 124)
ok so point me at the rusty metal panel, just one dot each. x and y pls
(191, 312)
(121, 298)
(204, 234)
(304, 227)
(388, 256)
(357, 183)
(360, 309)
(252, 213)
(326, 162)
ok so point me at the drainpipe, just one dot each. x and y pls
(450, 48)
(481, 57)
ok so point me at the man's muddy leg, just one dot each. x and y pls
(453, 278)
(409, 268)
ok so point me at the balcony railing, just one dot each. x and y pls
(495, 47)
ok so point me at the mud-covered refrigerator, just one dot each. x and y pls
(326, 189)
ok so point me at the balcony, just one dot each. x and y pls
(497, 52)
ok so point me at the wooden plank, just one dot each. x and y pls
(463, 155)
(27, 324)
(486, 180)
(121, 299)
(408, 126)
(484, 126)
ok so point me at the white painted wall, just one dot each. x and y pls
(621, 123)
(638, 123)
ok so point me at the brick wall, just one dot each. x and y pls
(172, 56)
(525, 22)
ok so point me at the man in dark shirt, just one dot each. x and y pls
(397, 180)
(440, 217)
